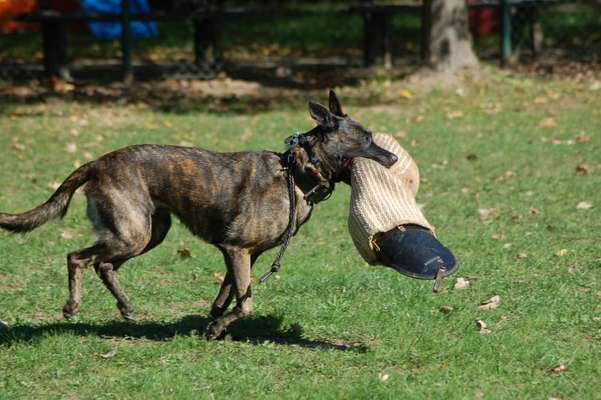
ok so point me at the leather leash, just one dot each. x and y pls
(275, 266)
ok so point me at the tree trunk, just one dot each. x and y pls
(447, 39)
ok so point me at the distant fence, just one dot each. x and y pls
(545, 29)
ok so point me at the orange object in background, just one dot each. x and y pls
(11, 8)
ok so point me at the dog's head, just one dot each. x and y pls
(340, 139)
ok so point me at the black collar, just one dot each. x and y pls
(313, 191)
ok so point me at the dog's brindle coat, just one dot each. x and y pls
(237, 201)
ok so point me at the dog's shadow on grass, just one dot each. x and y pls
(260, 330)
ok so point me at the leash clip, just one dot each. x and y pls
(275, 267)
(311, 192)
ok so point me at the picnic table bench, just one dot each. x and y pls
(54, 34)
(377, 25)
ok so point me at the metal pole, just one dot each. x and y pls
(505, 31)
(126, 43)
(387, 41)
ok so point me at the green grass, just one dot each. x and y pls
(329, 325)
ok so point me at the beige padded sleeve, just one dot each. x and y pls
(381, 198)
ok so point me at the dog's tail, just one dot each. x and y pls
(55, 207)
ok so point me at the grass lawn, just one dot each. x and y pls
(499, 163)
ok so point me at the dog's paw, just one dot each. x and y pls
(70, 310)
(216, 331)
(127, 312)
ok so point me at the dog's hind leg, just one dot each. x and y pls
(127, 226)
(123, 250)
(226, 294)
(106, 272)
(238, 267)
(76, 263)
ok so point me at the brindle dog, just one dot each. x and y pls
(238, 202)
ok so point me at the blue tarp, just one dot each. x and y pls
(112, 30)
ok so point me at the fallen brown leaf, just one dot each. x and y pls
(54, 185)
(61, 86)
(482, 327)
(71, 147)
(454, 114)
(67, 234)
(498, 236)
(445, 309)
(547, 123)
(487, 213)
(405, 94)
(507, 175)
(559, 368)
(18, 145)
(569, 142)
(110, 354)
(461, 283)
(219, 277)
(414, 142)
(583, 169)
(584, 205)
(533, 211)
(491, 303)
(383, 377)
(184, 253)
(561, 252)
(400, 135)
(521, 255)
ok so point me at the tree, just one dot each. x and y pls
(447, 41)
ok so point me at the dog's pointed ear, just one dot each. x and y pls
(321, 115)
(334, 103)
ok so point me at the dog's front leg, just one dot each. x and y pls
(238, 266)
(226, 293)
(224, 298)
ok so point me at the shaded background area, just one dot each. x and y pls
(298, 41)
